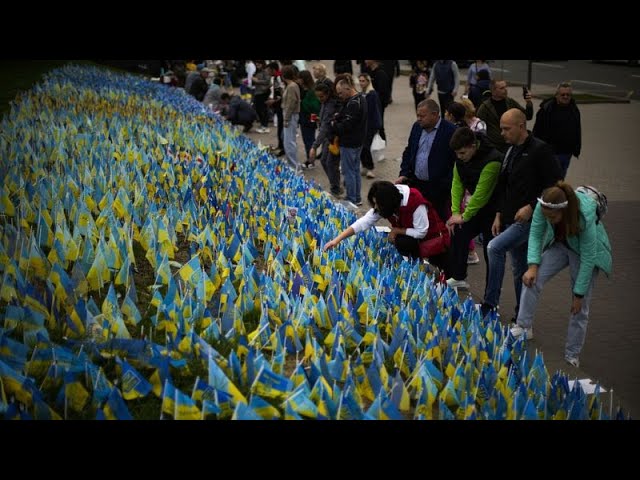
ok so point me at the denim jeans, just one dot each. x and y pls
(350, 161)
(331, 165)
(290, 144)
(308, 137)
(553, 261)
(513, 239)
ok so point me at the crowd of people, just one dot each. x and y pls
(471, 168)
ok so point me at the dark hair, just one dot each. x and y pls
(482, 74)
(324, 88)
(307, 79)
(462, 137)
(457, 111)
(288, 72)
(225, 96)
(387, 198)
(273, 65)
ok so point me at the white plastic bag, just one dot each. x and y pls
(377, 148)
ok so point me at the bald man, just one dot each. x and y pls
(529, 167)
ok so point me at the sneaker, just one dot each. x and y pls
(519, 331)
(473, 258)
(370, 174)
(350, 205)
(265, 130)
(573, 361)
(359, 204)
(259, 130)
(453, 283)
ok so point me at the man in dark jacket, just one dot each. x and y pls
(558, 124)
(239, 112)
(476, 171)
(492, 109)
(382, 85)
(427, 161)
(528, 168)
(392, 69)
(445, 73)
(350, 125)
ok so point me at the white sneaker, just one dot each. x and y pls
(259, 130)
(473, 259)
(461, 284)
(370, 174)
(519, 331)
(263, 130)
(350, 205)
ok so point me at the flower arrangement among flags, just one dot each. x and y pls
(157, 264)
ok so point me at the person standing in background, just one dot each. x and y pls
(445, 73)
(290, 113)
(427, 160)
(492, 109)
(374, 120)
(330, 162)
(382, 85)
(350, 125)
(342, 66)
(392, 69)
(558, 124)
(472, 74)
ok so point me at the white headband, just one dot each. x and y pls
(554, 206)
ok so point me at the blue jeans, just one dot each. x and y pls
(350, 161)
(563, 161)
(513, 239)
(290, 144)
(553, 260)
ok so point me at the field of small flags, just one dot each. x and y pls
(157, 264)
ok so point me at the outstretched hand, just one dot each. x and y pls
(329, 245)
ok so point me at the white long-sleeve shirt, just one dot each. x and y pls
(251, 71)
(420, 218)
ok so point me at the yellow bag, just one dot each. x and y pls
(334, 147)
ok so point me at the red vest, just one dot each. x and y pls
(437, 228)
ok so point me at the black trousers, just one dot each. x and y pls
(409, 247)
(480, 223)
(365, 155)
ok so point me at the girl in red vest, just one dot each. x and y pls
(417, 230)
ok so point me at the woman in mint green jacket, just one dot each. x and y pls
(564, 231)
